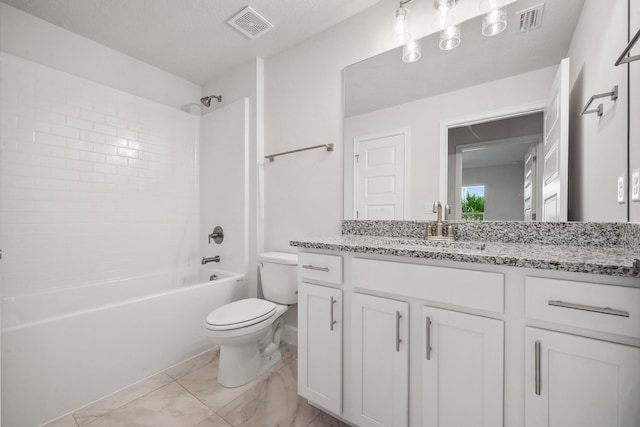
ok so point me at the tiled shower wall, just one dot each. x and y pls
(96, 183)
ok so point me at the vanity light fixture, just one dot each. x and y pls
(444, 12)
(411, 51)
(402, 24)
(450, 38)
(494, 22)
(488, 5)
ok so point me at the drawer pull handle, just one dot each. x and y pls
(312, 267)
(398, 340)
(605, 310)
(332, 303)
(428, 338)
(538, 388)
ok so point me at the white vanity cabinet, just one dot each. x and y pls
(379, 361)
(462, 369)
(574, 381)
(320, 326)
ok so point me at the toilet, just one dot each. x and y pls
(249, 330)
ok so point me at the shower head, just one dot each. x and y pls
(206, 101)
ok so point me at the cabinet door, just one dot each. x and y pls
(580, 382)
(462, 370)
(379, 361)
(320, 345)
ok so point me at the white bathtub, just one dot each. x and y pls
(64, 349)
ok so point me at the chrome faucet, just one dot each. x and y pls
(441, 233)
(212, 259)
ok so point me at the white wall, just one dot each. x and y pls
(423, 118)
(31, 38)
(223, 160)
(503, 192)
(247, 81)
(634, 107)
(598, 144)
(96, 183)
(303, 107)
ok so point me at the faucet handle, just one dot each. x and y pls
(447, 212)
(436, 206)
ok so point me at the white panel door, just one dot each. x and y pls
(530, 184)
(320, 345)
(380, 176)
(462, 370)
(379, 361)
(555, 168)
(573, 381)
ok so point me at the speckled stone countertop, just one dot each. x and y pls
(609, 260)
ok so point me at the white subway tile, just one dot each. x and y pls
(45, 138)
(117, 122)
(103, 168)
(79, 144)
(79, 165)
(79, 123)
(109, 130)
(91, 177)
(92, 136)
(75, 101)
(116, 142)
(136, 163)
(92, 157)
(66, 153)
(68, 175)
(116, 160)
(126, 152)
(92, 116)
(66, 110)
(48, 161)
(125, 133)
(117, 179)
(79, 186)
(105, 149)
(104, 188)
(49, 117)
(34, 148)
(65, 131)
(127, 171)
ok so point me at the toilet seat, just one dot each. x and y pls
(240, 314)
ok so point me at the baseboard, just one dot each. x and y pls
(290, 335)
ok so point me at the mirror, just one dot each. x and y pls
(478, 115)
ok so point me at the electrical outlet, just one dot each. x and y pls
(635, 185)
(621, 191)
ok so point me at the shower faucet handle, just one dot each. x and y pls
(217, 235)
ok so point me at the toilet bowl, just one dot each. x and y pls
(249, 330)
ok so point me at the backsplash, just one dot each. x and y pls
(597, 234)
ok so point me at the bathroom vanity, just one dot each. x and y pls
(397, 331)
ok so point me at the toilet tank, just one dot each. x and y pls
(279, 276)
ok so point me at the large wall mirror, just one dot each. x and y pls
(494, 127)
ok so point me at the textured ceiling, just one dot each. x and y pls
(191, 38)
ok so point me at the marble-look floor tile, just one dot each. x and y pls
(289, 352)
(203, 383)
(193, 364)
(325, 420)
(112, 402)
(169, 406)
(214, 421)
(66, 421)
(273, 402)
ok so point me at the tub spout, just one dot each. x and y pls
(212, 259)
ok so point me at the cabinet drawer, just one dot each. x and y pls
(326, 268)
(605, 308)
(466, 288)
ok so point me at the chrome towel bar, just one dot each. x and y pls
(272, 157)
(599, 110)
(621, 59)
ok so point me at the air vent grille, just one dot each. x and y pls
(530, 18)
(250, 23)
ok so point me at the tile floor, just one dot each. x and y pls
(188, 395)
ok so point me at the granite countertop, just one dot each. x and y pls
(613, 261)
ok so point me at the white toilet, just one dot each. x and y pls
(249, 330)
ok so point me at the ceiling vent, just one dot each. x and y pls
(530, 18)
(250, 23)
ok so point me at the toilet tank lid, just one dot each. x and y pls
(279, 257)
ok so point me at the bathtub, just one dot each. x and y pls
(64, 349)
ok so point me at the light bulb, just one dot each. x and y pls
(443, 16)
(450, 38)
(402, 25)
(494, 22)
(411, 51)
